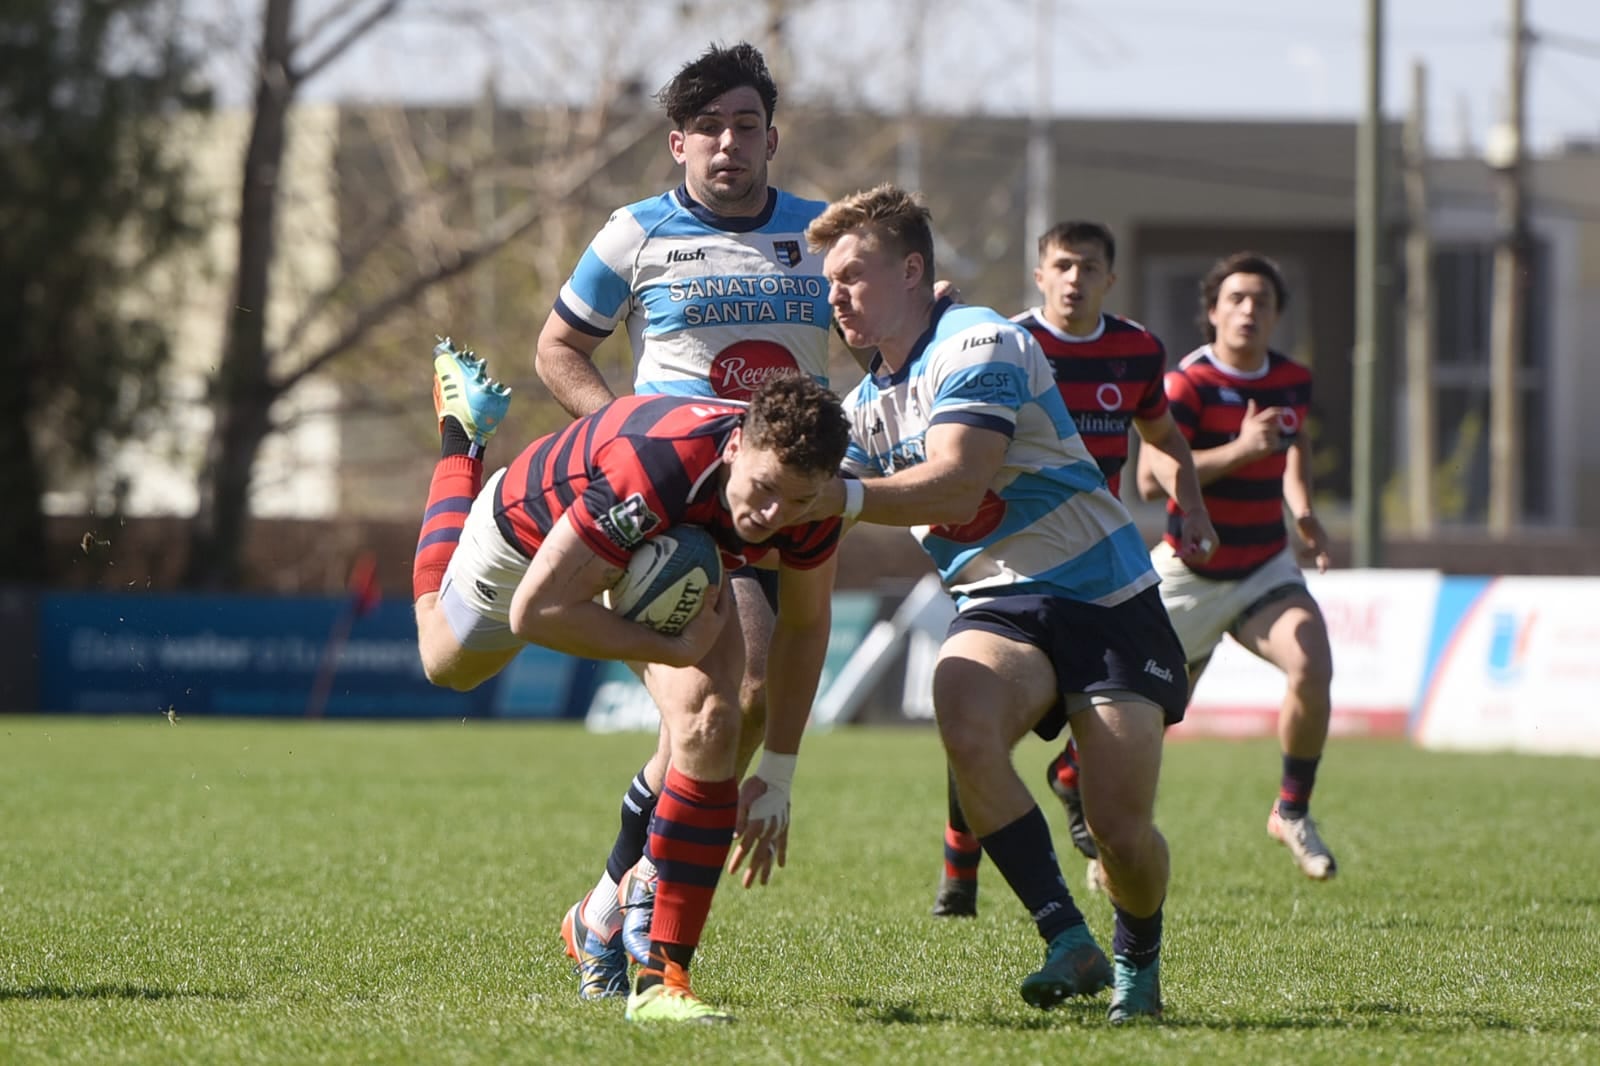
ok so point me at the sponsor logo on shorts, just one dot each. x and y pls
(1155, 669)
(485, 590)
(628, 523)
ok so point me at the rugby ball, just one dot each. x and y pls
(665, 584)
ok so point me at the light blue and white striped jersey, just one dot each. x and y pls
(1048, 525)
(714, 305)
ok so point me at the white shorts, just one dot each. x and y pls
(1202, 609)
(482, 575)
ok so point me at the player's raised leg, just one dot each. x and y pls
(470, 406)
(988, 692)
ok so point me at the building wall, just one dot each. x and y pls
(295, 474)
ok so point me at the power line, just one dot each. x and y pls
(1565, 42)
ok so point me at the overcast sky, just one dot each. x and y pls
(1183, 58)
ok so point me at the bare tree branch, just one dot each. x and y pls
(506, 229)
(303, 72)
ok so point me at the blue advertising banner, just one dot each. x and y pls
(18, 660)
(269, 656)
(620, 701)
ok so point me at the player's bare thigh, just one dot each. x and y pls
(990, 690)
(700, 706)
(444, 661)
(1289, 632)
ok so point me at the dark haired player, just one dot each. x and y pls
(718, 293)
(1243, 407)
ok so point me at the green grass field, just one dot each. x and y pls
(243, 892)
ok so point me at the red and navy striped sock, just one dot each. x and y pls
(1294, 789)
(1064, 771)
(962, 852)
(689, 840)
(456, 481)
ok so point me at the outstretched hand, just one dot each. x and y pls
(1313, 542)
(761, 831)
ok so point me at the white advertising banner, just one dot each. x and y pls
(1520, 671)
(1379, 625)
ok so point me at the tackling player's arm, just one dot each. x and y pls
(794, 667)
(564, 359)
(554, 606)
(1172, 468)
(946, 488)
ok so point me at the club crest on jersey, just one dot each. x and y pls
(628, 523)
(788, 252)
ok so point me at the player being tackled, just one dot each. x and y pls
(522, 556)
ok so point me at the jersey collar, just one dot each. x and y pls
(885, 380)
(722, 222)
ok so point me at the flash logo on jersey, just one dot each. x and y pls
(628, 523)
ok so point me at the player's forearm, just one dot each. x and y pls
(1297, 478)
(1214, 464)
(571, 377)
(590, 631)
(794, 668)
(923, 495)
(1173, 466)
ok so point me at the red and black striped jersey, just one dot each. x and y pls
(1208, 402)
(1107, 380)
(636, 467)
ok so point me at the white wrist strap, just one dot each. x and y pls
(855, 497)
(777, 770)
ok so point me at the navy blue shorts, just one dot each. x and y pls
(1127, 648)
(767, 579)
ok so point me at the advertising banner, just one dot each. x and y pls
(306, 656)
(1517, 668)
(621, 702)
(1379, 626)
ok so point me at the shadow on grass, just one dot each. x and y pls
(904, 1013)
(1353, 1017)
(106, 991)
(1372, 1017)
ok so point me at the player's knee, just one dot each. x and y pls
(445, 671)
(713, 729)
(967, 738)
(1310, 673)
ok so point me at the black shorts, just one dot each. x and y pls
(1127, 648)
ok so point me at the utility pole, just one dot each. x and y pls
(1507, 329)
(908, 164)
(1040, 150)
(1420, 415)
(485, 207)
(1370, 428)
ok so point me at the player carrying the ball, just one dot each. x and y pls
(520, 558)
